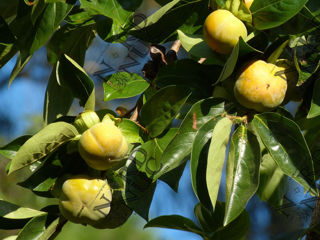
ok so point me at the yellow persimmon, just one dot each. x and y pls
(261, 86)
(85, 200)
(102, 144)
(222, 31)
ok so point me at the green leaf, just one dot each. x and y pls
(174, 222)
(209, 222)
(287, 146)
(197, 77)
(240, 50)
(70, 40)
(10, 149)
(43, 143)
(272, 183)
(11, 211)
(148, 156)
(131, 131)
(168, 18)
(315, 103)
(196, 46)
(7, 40)
(159, 111)
(239, 9)
(180, 146)
(58, 99)
(41, 227)
(242, 174)
(139, 189)
(18, 67)
(272, 13)
(276, 54)
(73, 77)
(216, 156)
(119, 11)
(198, 164)
(124, 85)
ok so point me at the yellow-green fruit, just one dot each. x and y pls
(222, 31)
(87, 201)
(248, 3)
(102, 144)
(261, 86)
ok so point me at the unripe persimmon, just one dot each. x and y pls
(261, 86)
(85, 200)
(248, 3)
(222, 31)
(102, 144)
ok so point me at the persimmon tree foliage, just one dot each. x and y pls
(224, 103)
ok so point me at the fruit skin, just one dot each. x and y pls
(222, 31)
(261, 86)
(86, 200)
(101, 145)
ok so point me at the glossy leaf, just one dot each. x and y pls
(180, 146)
(11, 211)
(186, 72)
(241, 49)
(124, 85)
(43, 143)
(148, 156)
(196, 46)
(287, 146)
(272, 183)
(315, 104)
(174, 222)
(73, 77)
(168, 18)
(198, 165)
(41, 227)
(159, 111)
(216, 157)
(242, 174)
(139, 189)
(131, 131)
(10, 149)
(269, 13)
(58, 99)
(71, 41)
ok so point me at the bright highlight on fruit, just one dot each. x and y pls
(261, 86)
(100, 145)
(85, 200)
(222, 31)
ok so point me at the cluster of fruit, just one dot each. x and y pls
(260, 85)
(88, 200)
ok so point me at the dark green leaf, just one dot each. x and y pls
(139, 189)
(41, 227)
(70, 40)
(180, 147)
(18, 67)
(272, 13)
(43, 143)
(216, 157)
(58, 99)
(174, 222)
(272, 183)
(124, 85)
(168, 18)
(172, 178)
(73, 77)
(159, 111)
(198, 165)
(10, 149)
(7, 39)
(197, 77)
(242, 174)
(209, 222)
(287, 146)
